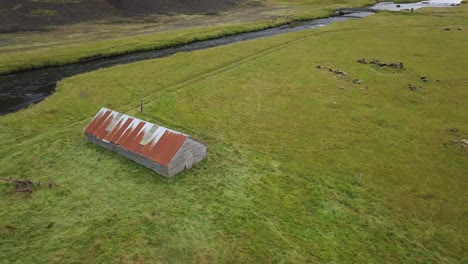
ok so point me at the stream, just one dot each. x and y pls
(20, 89)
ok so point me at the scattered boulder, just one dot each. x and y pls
(396, 65)
(357, 81)
(424, 79)
(447, 29)
(340, 72)
(459, 29)
(462, 143)
(413, 88)
(438, 81)
(398, 6)
(453, 130)
(362, 61)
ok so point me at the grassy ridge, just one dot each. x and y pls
(39, 58)
(285, 142)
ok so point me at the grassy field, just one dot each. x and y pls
(73, 43)
(286, 141)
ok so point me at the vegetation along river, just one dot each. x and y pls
(20, 89)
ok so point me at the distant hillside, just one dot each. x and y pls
(17, 15)
(143, 7)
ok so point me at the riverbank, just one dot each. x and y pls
(71, 44)
(286, 141)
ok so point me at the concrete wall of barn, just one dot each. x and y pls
(163, 170)
(178, 162)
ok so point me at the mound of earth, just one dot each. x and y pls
(19, 15)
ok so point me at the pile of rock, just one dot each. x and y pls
(462, 143)
(396, 65)
(413, 88)
(340, 73)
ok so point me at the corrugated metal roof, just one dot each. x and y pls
(155, 142)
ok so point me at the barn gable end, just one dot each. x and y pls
(191, 148)
(161, 149)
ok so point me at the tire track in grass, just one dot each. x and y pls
(219, 70)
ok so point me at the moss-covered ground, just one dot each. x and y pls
(286, 141)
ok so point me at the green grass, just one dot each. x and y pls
(286, 141)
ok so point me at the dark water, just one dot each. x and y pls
(21, 89)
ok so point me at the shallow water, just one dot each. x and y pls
(21, 89)
(389, 6)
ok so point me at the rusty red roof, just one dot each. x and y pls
(155, 142)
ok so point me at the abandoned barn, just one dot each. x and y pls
(163, 150)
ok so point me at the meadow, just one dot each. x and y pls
(285, 139)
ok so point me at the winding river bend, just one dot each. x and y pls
(23, 88)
